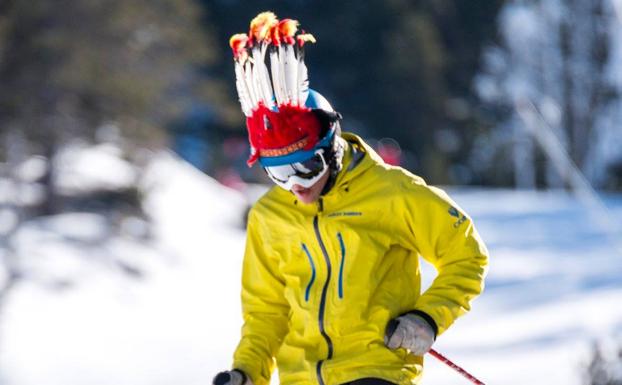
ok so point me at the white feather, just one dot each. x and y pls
(290, 65)
(248, 80)
(282, 70)
(255, 54)
(261, 78)
(277, 82)
(243, 93)
(303, 80)
(265, 78)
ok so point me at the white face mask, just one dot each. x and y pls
(305, 173)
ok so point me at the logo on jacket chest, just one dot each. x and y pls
(345, 214)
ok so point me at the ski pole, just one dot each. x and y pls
(455, 367)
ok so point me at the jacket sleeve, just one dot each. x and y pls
(444, 235)
(264, 307)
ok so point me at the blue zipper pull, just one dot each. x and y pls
(343, 260)
(308, 290)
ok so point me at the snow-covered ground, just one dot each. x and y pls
(554, 287)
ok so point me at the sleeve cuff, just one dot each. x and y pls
(244, 376)
(427, 319)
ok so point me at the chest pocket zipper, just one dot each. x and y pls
(308, 289)
(341, 264)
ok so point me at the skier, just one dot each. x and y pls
(331, 276)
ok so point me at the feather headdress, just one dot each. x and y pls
(273, 86)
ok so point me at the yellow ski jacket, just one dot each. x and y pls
(321, 281)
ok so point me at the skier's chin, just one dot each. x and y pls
(306, 195)
(310, 194)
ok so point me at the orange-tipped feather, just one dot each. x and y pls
(238, 43)
(287, 30)
(261, 25)
(275, 36)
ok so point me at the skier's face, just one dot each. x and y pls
(310, 194)
(304, 174)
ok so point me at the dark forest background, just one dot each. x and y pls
(414, 78)
(401, 71)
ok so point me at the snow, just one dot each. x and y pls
(83, 167)
(32, 169)
(553, 289)
(176, 323)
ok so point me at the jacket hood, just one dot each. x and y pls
(358, 157)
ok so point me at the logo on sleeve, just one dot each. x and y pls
(455, 213)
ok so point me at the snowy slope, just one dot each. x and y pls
(554, 285)
(176, 325)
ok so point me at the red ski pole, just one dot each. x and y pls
(455, 367)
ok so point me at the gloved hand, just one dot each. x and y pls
(412, 332)
(232, 377)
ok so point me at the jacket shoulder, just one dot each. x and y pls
(396, 178)
(411, 187)
(260, 206)
(271, 206)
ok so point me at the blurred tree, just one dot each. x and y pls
(559, 56)
(604, 366)
(68, 67)
(74, 69)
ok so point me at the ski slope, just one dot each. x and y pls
(554, 288)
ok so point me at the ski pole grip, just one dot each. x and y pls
(222, 378)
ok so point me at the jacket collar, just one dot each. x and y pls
(358, 157)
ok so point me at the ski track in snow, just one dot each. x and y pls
(553, 288)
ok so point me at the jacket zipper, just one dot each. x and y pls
(323, 298)
(343, 260)
(308, 290)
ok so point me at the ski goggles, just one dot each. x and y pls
(304, 173)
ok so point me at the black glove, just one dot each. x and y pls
(232, 377)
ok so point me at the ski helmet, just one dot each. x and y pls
(286, 120)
